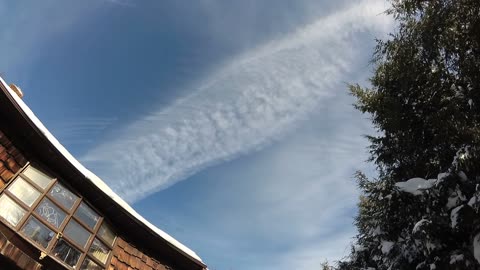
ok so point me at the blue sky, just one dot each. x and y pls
(225, 123)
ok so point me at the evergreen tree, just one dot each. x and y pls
(423, 212)
(425, 99)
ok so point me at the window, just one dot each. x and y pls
(56, 220)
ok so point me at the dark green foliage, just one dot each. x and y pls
(425, 95)
(425, 104)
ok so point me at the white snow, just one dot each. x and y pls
(386, 246)
(359, 248)
(430, 246)
(454, 216)
(462, 154)
(455, 198)
(473, 200)
(476, 247)
(376, 231)
(456, 258)
(416, 186)
(419, 224)
(442, 176)
(95, 179)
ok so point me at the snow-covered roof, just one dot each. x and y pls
(95, 179)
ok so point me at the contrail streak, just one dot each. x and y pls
(246, 105)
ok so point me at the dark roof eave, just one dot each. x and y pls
(32, 138)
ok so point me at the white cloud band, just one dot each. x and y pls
(244, 106)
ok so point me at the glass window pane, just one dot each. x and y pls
(90, 265)
(77, 233)
(24, 191)
(99, 250)
(87, 215)
(50, 212)
(10, 211)
(37, 177)
(65, 252)
(63, 196)
(106, 234)
(38, 232)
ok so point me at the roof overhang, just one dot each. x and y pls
(29, 135)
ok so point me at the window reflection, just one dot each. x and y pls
(39, 178)
(90, 265)
(66, 253)
(24, 191)
(99, 250)
(51, 213)
(56, 211)
(38, 232)
(87, 215)
(63, 196)
(106, 234)
(77, 233)
(10, 211)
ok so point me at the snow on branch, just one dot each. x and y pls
(416, 186)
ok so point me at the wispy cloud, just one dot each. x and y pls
(125, 3)
(245, 105)
(289, 207)
(80, 131)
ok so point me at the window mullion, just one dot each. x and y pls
(70, 217)
(94, 234)
(4, 188)
(30, 209)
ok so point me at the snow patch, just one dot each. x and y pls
(476, 247)
(386, 246)
(359, 248)
(473, 201)
(442, 176)
(430, 246)
(416, 186)
(419, 225)
(456, 198)
(376, 231)
(456, 258)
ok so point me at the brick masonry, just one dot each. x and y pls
(11, 160)
(17, 256)
(127, 257)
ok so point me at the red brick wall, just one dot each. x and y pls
(127, 257)
(17, 256)
(11, 160)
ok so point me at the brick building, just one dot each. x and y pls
(55, 214)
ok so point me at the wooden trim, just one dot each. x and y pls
(21, 258)
(30, 212)
(21, 204)
(32, 141)
(4, 187)
(35, 185)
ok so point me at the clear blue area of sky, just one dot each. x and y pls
(91, 68)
